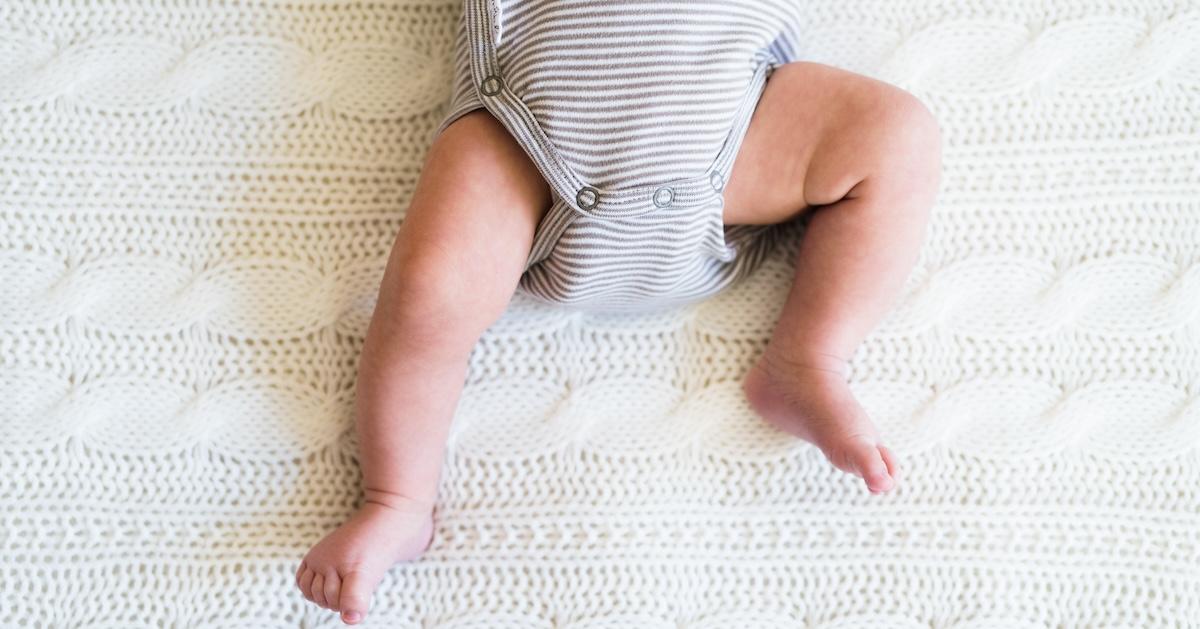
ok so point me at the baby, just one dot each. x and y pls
(613, 156)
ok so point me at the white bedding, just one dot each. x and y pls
(196, 203)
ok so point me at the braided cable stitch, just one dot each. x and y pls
(197, 201)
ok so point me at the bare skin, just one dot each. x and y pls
(451, 273)
(862, 154)
(869, 169)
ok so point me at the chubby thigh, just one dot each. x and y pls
(817, 132)
(471, 220)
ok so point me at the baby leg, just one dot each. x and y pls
(865, 156)
(452, 270)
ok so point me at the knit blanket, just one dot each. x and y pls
(197, 200)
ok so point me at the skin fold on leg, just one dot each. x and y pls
(865, 158)
(451, 273)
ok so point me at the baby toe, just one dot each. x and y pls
(869, 462)
(889, 459)
(300, 571)
(318, 590)
(333, 586)
(306, 580)
(355, 596)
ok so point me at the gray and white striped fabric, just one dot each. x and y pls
(633, 111)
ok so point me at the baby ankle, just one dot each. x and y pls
(808, 359)
(397, 500)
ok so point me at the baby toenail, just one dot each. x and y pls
(351, 616)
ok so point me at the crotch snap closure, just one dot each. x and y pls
(491, 85)
(587, 197)
(664, 196)
(716, 180)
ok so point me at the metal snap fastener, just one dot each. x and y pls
(664, 196)
(491, 85)
(587, 197)
(716, 180)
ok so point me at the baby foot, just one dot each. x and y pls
(342, 570)
(801, 397)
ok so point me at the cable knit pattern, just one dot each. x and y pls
(197, 201)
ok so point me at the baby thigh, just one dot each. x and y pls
(819, 132)
(466, 235)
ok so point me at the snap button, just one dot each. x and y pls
(663, 196)
(716, 180)
(491, 85)
(587, 197)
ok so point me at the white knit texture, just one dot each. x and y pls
(197, 200)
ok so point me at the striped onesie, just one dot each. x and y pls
(633, 111)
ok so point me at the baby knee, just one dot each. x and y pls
(431, 289)
(911, 131)
(903, 146)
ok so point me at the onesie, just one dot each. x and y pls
(633, 111)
